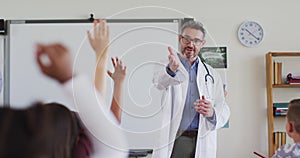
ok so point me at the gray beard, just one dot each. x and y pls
(188, 57)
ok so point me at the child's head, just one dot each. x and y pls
(293, 120)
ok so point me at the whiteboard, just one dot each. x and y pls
(141, 45)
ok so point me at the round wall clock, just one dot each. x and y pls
(250, 33)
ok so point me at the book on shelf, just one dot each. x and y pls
(274, 72)
(280, 109)
(280, 112)
(276, 140)
(290, 76)
(283, 138)
(290, 79)
(281, 105)
(279, 139)
(277, 72)
(293, 81)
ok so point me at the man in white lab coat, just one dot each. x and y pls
(193, 101)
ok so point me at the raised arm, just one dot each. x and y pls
(108, 139)
(118, 76)
(99, 41)
(169, 75)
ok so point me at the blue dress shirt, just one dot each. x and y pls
(190, 118)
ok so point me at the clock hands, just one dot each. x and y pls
(252, 34)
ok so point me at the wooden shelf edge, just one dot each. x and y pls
(269, 86)
(284, 54)
(286, 85)
(280, 116)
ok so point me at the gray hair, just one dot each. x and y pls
(194, 25)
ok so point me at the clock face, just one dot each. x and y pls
(250, 33)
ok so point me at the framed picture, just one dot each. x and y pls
(214, 56)
(217, 58)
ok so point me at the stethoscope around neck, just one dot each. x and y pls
(206, 77)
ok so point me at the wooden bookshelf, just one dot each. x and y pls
(270, 86)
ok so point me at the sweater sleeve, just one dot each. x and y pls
(107, 137)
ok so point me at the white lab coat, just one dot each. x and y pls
(173, 100)
(106, 135)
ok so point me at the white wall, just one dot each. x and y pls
(246, 68)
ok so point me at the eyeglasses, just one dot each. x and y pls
(187, 40)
